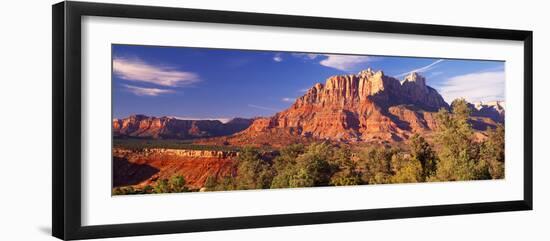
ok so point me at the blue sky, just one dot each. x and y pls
(199, 83)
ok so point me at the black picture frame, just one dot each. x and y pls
(66, 127)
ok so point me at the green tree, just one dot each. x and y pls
(252, 171)
(459, 153)
(284, 165)
(377, 165)
(492, 151)
(305, 167)
(314, 166)
(227, 183)
(410, 171)
(283, 176)
(292, 151)
(423, 153)
(302, 178)
(347, 172)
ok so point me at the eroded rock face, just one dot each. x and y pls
(348, 90)
(368, 106)
(167, 127)
(364, 106)
(144, 167)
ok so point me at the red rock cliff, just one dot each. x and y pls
(359, 107)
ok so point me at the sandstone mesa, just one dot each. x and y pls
(363, 107)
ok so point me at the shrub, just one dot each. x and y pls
(210, 183)
(177, 184)
(162, 186)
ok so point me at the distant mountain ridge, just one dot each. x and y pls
(493, 109)
(142, 126)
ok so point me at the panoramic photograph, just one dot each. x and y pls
(187, 119)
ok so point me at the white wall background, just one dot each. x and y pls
(25, 104)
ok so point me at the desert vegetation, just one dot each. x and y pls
(138, 144)
(175, 184)
(457, 157)
(453, 153)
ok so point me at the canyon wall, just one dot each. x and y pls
(144, 167)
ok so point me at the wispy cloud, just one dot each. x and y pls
(305, 56)
(277, 57)
(435, 73)
(474, 87)
(138, 70)
(141, 91)
(344, 62)
(422, 69)
(288, 99)
(262, 107)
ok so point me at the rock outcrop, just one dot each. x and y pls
(352, 90)
(416, 92)
(364, 106)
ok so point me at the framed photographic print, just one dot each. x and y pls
(170, 120)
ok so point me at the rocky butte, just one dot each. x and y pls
(367, 106)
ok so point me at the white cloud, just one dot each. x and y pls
(474, 87)
(262, 107)
(277, 58)
(344, 62)
(222, 120)
(287, 99)
(141, 91)
(422, 69)
(138, 70)
(305, 56)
